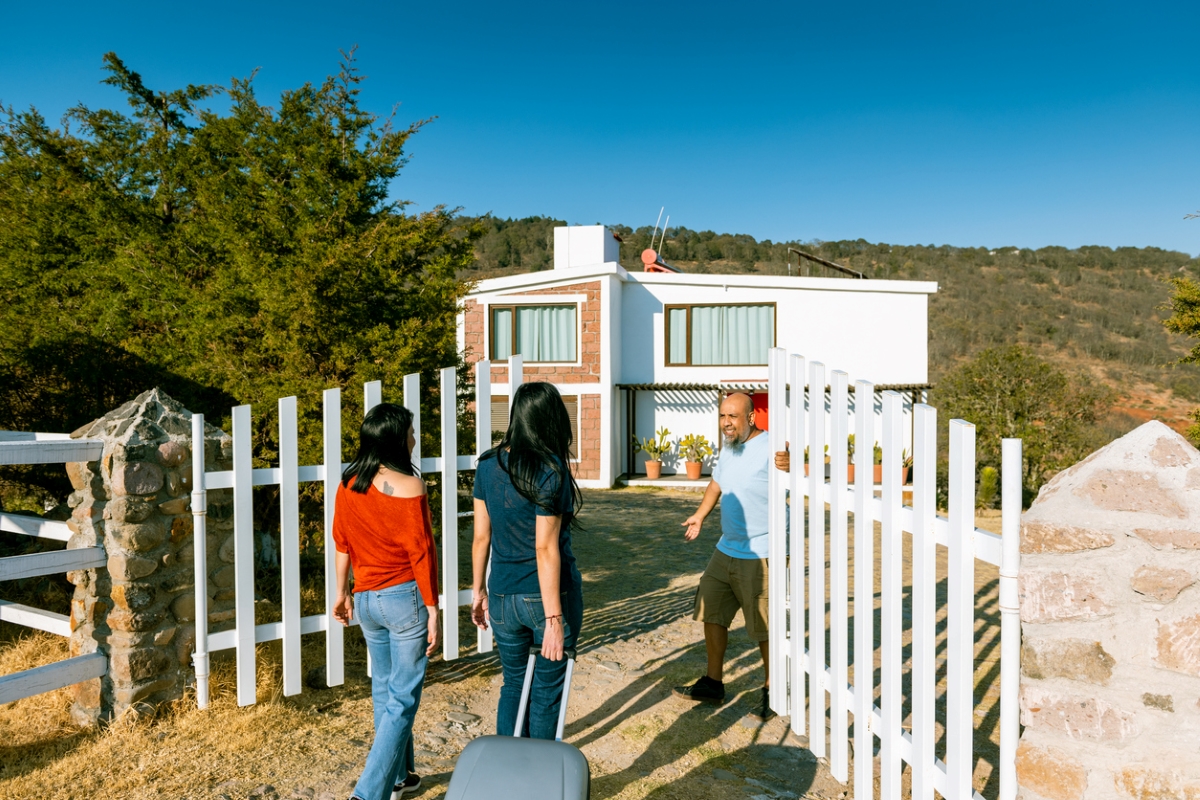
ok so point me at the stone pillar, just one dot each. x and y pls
(1110, 659)
(135, 504)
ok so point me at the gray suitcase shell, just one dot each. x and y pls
(502, 767)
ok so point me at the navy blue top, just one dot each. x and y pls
(514, 555)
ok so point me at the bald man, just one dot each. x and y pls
(736, 576)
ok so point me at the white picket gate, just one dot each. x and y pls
(288, 476)
(801, 672)
(17, 447)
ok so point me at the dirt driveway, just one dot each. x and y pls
(638, 641)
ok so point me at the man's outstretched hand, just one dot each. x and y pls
(692, 524)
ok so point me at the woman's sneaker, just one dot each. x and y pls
(705, 690)
(409, 785)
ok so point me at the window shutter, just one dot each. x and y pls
(499, 414)
(572, 404)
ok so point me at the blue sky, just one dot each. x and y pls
(953, 123)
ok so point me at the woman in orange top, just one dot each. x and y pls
(381, 527)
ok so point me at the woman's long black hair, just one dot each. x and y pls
(382, 441)
(539, 438)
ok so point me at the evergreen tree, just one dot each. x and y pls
(235, 255)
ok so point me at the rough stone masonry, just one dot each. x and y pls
(1110, 615)
(134, 502)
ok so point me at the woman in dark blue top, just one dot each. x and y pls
(525, 500)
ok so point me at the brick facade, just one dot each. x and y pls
(587, 371)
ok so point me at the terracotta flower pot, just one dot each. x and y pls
(653, 470)
(904, 475)
(806, 469)
(877, 476)
(849, 473)
(693, 469)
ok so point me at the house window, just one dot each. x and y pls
(720, 336)
(500, 420)
(539, 333)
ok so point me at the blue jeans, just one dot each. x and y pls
(395, 624)
(518, 623)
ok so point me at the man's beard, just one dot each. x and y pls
(734, 442)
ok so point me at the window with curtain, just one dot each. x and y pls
(727, 335)
(538, 333)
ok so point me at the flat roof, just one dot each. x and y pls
(555, 277)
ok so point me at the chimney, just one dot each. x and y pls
(585, 246)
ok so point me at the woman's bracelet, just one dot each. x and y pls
(554, 616)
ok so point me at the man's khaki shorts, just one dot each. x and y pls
(729, 584)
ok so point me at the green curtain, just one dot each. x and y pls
(501, 333)
(732, 335)
(546, 333)
(677, 320)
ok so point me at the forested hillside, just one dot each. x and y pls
(1092, 308)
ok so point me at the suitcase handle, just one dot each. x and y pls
(534, 652)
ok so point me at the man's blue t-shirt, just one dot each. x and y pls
(514, 518)
(743, 473)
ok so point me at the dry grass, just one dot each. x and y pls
(181, 752)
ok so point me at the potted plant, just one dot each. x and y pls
(906, 463)
(850, 458)
(694, 448)
(655, 449)
(877, 462)
(806, 458)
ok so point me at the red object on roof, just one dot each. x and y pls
(761, 410)
(652, 262)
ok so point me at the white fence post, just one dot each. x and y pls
(412, 401)
(331, 410)
(960, 596)
(816, 559)
(516, 376)
(449, 397)
(243, 535)
(200, 556)
(797, 375)
(483, 443)
(1010, 616)
(373, 396)
(839, 743)
(777, 543)
(289, 542)
(864, 592)
(891, 588)
(924, 600)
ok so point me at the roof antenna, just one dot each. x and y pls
(653, 235)
(664, 233)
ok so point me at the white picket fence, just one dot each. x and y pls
(46, 448)
(824, 679)
(242, 479)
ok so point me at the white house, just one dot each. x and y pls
(635, 351)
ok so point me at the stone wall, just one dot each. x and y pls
(135, 503)
(1110, 614)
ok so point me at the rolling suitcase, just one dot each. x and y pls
(502, 767)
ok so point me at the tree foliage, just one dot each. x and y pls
(1184, 305)
(228, 255)
(1007, 392)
